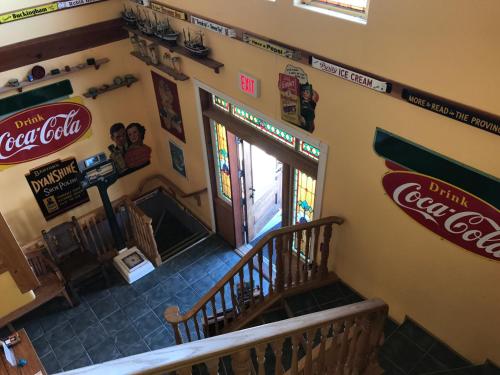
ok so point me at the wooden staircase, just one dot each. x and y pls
(301, 253)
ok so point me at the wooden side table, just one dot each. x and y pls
(24, 350)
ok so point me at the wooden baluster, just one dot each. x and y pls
(81, 232)
(278, 352)
(270, 258)
(241, 363)
(242, 290)
(252, 284)
(212, 366)
(353, 350)
(172, 315)
(289, 251)
(184, 371)
(333, 353)
(261, 274)
(223, 302)
(344, 345)
(314, 272)
(196, 326)
(91, 235)
(297, 259)
(101, 249)
(280, 269)
(307, 254)
(309, 360)
(321, 369)
(295, 354)
(233, 298)
(214, 309)
(188, 331)
(261, 358)
(205, 320)
(325, 250)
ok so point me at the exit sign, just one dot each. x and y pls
(249, 85)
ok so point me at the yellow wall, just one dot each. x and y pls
(380, 251)
(12, 298)
(447, 49)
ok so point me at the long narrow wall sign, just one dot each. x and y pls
(271, 47)
(456, 112)
(22, 14)
(169, 11)
(226, 31)
(350, 75)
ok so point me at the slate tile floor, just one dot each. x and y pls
(124, 319)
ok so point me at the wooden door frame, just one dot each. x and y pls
(201, 104)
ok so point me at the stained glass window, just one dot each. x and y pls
(221, 103)
(309, 150)
(222, 159)
(304, 187)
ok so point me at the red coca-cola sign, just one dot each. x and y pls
(41, 131)
(447, 210)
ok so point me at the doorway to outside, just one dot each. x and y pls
(262, 191)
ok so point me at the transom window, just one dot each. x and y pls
(347, 9)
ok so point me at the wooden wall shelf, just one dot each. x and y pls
(112, 87)
(166, 69)
(208, 62)
(49, 76)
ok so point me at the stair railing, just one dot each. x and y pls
(301, 255)
(344, 340)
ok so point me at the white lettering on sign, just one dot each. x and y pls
(350, 75)
(214, 27)
(271, 47)
(74, 3)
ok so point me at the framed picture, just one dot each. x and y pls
(169, 107)
(177, 159)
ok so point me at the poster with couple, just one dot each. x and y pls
(129, 151)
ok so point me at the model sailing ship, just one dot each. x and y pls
(195, 45)
(145, 25)
(164, 31)
(129, 17)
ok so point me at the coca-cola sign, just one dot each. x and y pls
(42, 130)
(447, 210)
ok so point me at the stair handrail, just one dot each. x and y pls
(175, 190)
(350, 337)
(172, 314)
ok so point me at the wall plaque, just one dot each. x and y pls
(56, 187)
(226, 31)
(271, 47)
(351, 75)
(454, 111)
(168, 11)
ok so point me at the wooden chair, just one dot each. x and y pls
(77, 264)
(52, 284)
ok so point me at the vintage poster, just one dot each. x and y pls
(177, 156)
(289, 98)
(56, 187)
(169, 107)
(128, 151)
(42, 130)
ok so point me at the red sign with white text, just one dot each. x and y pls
(42, 130)
(447, 210)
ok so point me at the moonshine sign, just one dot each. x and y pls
(42, 130)
(56, 187)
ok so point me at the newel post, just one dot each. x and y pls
(325, 250)
(173, 316)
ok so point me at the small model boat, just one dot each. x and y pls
(165, 32)
(129, 17)
(145, 25)
(195, 46)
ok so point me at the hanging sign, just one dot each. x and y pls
(56, 187)
(350, 75)
(226, 31)
(448, 211)
(249, 85)
(271, 47)
(484, 122)
(168, 11)
(42, 130)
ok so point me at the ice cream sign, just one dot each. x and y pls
(42, 130)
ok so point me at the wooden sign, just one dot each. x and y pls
(223, 30)
(271, 47)
(42, 130)
(169, 11)
(454, 111)
(448, 211)
(350, 75)
(56, 187)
